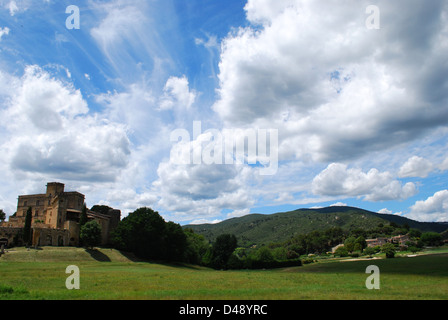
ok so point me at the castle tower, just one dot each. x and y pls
(54, 189)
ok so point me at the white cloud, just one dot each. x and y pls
(435, 208)
(339, 180)
(205, 221)
(238, 213)
(334, 89)
(338, 204)
(129, 39)
(177, 95)
(444, 165)
(12, 6)
(189, 191)
(416, 167)
(201, 191)
(211, 42)
(4, 31)
(48, 132)
(387, 211)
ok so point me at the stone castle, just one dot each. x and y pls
(55, 218)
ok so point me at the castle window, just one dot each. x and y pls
(25, 203)
(37, 202)
(36, 213)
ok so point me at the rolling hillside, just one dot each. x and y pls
(262, 229)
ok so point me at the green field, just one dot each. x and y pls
(108, 274)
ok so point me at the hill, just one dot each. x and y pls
(262, 229)
(66, 254)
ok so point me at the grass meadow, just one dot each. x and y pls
(106, 274)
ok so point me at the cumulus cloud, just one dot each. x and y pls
(434, 208)
(177, 95)
(339, 180)
(48, 131)
(333, 88)
(198, 189)
(416, 167)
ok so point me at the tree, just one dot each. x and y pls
(415, 233)
(27, 227)
(341, 252)
(431, 239)
(360, 243)
(175, 242)
(196, 248)
(389, 250)
(83, 218)
(264, 255)
(370, 251)
(222, 249)
(413, 249)
(349, 244)
(90, 234)
(2, 215)
(101, 209)
(143, 233)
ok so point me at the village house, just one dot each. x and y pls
(400, 239)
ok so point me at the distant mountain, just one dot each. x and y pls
(262, 229)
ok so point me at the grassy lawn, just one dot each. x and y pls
(108, 274)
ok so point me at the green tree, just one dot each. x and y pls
(370, 251)
(175, 242)
(264, 254)
(196, 248)
(431, 239)
(83, 218)
(2, 215)
(222, 249)
(101, 209)
(349, 244)
(143, 233)
(415, 233)
(27, 227)
(360, 243)
(413, 249)
(389, 250)
(90, 234)
(341, 252)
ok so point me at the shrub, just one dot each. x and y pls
(389, 250)
(341, 252)
(370, 251)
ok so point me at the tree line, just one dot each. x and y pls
(147, 235)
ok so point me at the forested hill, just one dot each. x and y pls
(263, 229)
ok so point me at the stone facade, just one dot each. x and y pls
(55, 218)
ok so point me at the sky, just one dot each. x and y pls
(133, 102)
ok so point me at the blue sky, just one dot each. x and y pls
(361, 113)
